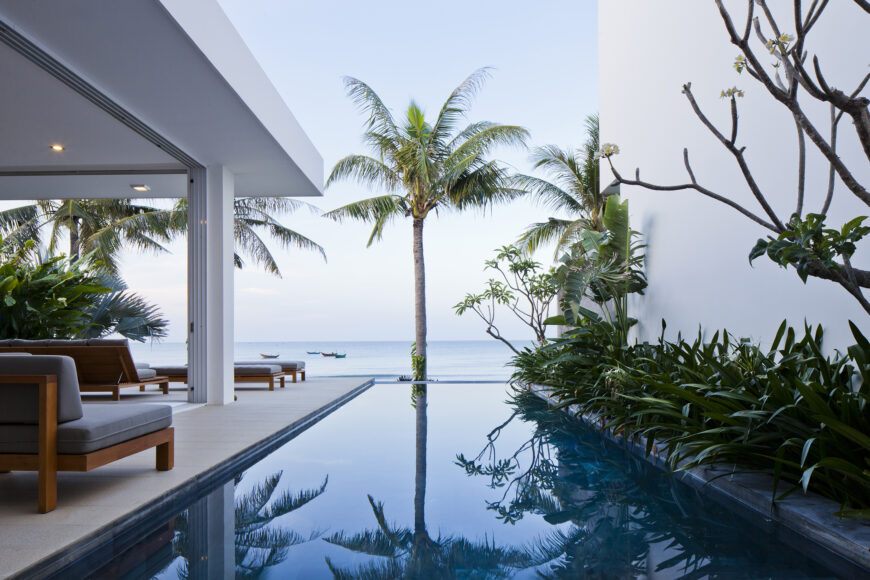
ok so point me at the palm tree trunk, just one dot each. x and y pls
(420, 375)
(74, 249)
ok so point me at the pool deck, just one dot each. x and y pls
(207, 439)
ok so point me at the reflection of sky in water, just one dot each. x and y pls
(367, 447)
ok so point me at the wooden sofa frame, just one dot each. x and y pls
(48, 462)
(100, 368)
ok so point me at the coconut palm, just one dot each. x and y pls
(102, 227)
(253, 217)
(424, 167)
(574, 189)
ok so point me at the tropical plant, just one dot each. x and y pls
(424, 167)
(788, 411)
(120, 311)
(46, 299)
(523, 289)
(777, 60)
(103, 227)
(602, 268)
(574, 188)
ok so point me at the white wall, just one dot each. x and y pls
(698, 269)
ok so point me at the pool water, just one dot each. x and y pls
(510, 491)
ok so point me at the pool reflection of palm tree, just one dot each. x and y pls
(257, 544)
(413, 554)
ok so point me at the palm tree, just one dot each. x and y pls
(253, 216)
(574, 189)
(424, 167)
(102, 227)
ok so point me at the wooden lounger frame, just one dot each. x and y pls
(101, 368)
(48, 462)
(264, 378)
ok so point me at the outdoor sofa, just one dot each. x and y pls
(102, 364)
(259, 373)
(44, 427)
(290, 367)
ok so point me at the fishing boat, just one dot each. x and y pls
(328, 354)
(269, 355)
(341, 355)
(313, 351)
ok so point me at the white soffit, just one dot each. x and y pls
(201, 90)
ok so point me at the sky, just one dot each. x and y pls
(544, 78)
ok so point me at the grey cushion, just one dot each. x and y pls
(14, 354)
(19, 404)
(286, 365)
(254, 370)
(145, 374)
(102, 426)
(172, 370)
(140, 365)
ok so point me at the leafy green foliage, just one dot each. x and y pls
(522, 287)
(807, 241)
(46, 299)
(123, 312)
(788, 410)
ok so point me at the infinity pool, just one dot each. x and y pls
(511, 491)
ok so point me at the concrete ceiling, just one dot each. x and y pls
(178, 66)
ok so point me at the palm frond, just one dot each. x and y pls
(379, 210)
(368, 101)
(456, 107)
(248, 242)
(365, 171)
(548, 194)
(479, 144)
(541, 233)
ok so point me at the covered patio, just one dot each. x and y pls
(151, 99)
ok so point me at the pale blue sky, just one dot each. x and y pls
(544, 56)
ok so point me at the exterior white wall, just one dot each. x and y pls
(697, 262)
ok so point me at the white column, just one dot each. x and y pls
(210, 285)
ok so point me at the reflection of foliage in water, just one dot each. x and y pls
(258, 545)
(404, 554)
(626, 519)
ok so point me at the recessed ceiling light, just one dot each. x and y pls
(57, 147)
(140, 187)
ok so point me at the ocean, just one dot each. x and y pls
(448, 360)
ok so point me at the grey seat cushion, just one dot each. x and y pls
(286, 365)
(101, 426)
(172, 370)
(19, 403)
(145, 374)
(141, 365)
(254, 370)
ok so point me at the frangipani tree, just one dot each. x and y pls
(773, 52)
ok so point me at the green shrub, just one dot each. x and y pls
(45, 299)
(788, 410)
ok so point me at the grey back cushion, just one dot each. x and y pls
(19, 403)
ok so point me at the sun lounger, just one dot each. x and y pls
(103, 365)
(44, 427)
(290, 367)
(259, 373)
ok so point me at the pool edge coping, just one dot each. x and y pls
(173, 499)
(809, 515)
